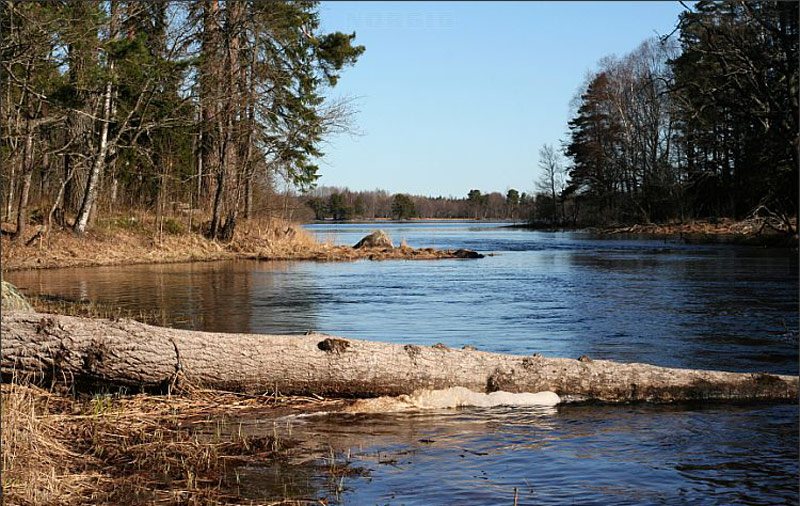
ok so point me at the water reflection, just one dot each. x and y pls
(578, 454)
(212, 296)
(715, 308)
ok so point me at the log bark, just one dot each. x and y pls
(125, 353)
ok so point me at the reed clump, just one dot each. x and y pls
(752, 228)
(89, 309)
(139, 449)
(12, 299)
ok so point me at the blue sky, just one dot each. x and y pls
(459, 95)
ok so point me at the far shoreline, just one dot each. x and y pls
(118, 242)
(406, 221)
(721, 231)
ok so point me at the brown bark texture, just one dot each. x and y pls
(125, 353)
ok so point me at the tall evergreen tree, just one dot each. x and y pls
(737, 86)
(593, 145)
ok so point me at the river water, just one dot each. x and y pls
(560, 294)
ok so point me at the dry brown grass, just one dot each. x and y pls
(34, 458)
(722, 227)
(113, 241)
(142, 449)
(126, 240)
(88, 309)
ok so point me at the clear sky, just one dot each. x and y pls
(459, 95)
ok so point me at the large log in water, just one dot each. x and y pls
(131, 354)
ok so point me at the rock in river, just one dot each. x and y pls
(467, 253)
(377, 239)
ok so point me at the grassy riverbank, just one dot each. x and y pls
(127, 240)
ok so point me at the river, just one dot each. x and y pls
(556, 293)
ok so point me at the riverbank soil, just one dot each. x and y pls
(755, 231)
(138, 449)
(752, 231)
(127, 240)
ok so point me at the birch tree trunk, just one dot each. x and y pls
(93, 183)
(98, 165)
(12, 144)
(126, 353)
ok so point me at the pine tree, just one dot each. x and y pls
(737, 85)
(593, 146)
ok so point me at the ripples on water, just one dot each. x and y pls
(559, 294)
(571, 454)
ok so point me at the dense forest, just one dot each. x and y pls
(216, 110)
(705, 125)
(203, 106)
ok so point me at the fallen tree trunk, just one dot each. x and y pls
(130, 354)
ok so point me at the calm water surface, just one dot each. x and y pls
(559, 294)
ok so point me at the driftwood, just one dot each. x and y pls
(125, 353)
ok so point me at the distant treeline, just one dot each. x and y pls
(342, 204)
(699, 126)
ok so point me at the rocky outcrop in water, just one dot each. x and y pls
(377, 239)
(467, 253)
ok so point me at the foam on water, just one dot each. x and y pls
(449, 398)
